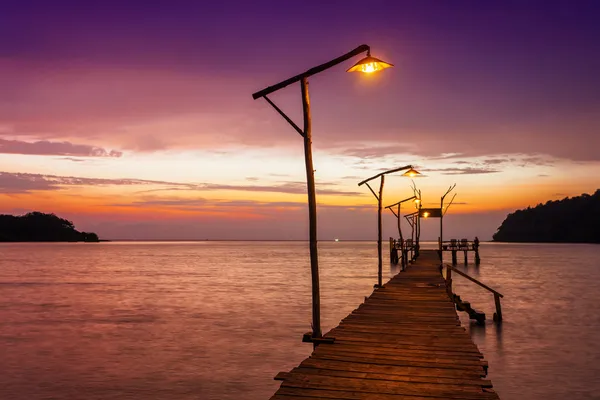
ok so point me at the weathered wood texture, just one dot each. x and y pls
(404, 342)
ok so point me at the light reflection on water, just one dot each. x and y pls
(217, 320)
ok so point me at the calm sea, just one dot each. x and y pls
(218, 320)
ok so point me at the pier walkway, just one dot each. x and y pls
(404, 342)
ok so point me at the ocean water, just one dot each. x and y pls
(218, 320)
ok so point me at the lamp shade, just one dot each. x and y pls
(369, 65)
(411, 173)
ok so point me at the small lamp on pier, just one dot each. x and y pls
(411, 173)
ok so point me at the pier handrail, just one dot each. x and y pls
(497, 295)
(474, 280)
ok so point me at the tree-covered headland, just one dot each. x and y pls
(570, 220)
(40, 227)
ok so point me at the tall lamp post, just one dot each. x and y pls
(367, 65)
(441, 239)
(400, 237)
(418, 206)
(410, 173)
(397, 214)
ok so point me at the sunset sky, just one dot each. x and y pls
(137, 122)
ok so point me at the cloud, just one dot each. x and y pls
(369, 152)
(463, 171)
(72, 159)
(203, 204)
(287, 187)
(48, 148)
(495, 161)
(23, 182)
(11, 182)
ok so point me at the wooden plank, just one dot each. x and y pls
(385, 338)
(386, 387)
(307, 393)
(425, 350)
(423, 356)
(391, 377)
(339, 365)
(398, 363)
(398, 347)
(396, 387)
(449, 330)
(350, 395)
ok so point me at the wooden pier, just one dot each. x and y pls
(404, 342)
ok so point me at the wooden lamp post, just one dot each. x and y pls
(400, 237)
(443, 212)
(367, 65)
(410, 173)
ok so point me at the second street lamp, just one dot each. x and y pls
(410, 173)
(398, 216)
(367, 65)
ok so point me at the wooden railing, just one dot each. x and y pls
(497, 295)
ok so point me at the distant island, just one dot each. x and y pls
(40, 227)
(571, 220)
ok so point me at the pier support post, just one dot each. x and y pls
(466, 257)
(498, 313)
(449, 280)
(454, 257)
(394, 258)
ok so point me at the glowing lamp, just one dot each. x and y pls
(369, 64)
(411, 173)
(425, 214)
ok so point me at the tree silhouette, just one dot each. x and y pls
(570, 220)
(40, 227)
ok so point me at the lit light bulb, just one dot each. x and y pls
(369, 67)
(425, 214)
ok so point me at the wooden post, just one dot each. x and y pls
(454, 257)
(312, 212)
(379, 229)
(398, 217)
(466, 259)
(418, 232)
(393, 252)
(449, 280)
(498, 315)
(441, 231)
